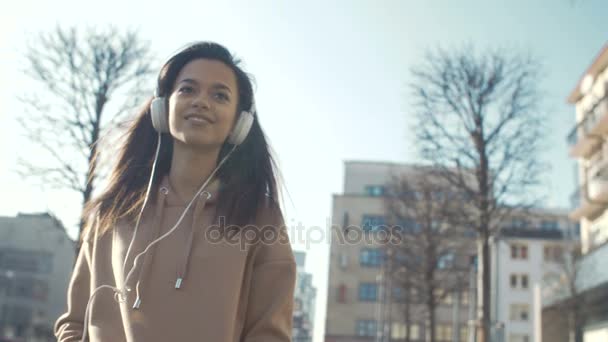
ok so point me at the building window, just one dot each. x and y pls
(368, 292)
(342, 293)
(464, 297)
(464, 333)
(26, 261)
(24, 287)
(447, 299)
(366, 328)
(375, 190)
(373, 222)
(523, 281)
(444, 297)
(548, 225)
(443, 332)
(371, 257)
(414, 331)
(519, 312)
(408, 225)
(398, 331)
(343, 260)
(519, 223)
(552, 253)
(398, 295)
(519, 251)
(445, 261)
(519, 338)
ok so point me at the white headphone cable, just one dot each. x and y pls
(120, 294)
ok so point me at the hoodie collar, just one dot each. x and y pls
(173, 200)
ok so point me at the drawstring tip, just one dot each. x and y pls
(137, 303)
(178, 283)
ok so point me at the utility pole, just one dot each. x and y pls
(379, 307)
(472, 304)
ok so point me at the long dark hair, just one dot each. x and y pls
(248, 176)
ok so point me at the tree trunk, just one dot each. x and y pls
(90, 176)
(431, 309)
(408, 318)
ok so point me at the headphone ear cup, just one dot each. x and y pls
(158, 112)
(241, 128)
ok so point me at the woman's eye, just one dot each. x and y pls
(186, 89)
(222, 97)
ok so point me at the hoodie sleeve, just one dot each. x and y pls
(68, 327)
(270, 307)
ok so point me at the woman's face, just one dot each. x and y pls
(203, 104)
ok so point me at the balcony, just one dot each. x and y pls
(591, 197)
(583, 137)
(591, 275)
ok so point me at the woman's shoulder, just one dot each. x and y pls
(273, 243)
(269, 213)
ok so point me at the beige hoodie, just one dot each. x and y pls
(230, 290)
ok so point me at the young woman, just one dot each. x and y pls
(156, 263)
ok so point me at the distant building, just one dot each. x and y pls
(588, 145)
(304, 306)
(36, 260)
(523, 256)
(359, 308)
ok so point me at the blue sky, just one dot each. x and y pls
(332, 80)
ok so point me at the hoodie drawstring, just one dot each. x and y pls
(182, 269)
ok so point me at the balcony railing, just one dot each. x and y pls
(591, 195)
(591, 272)
(575, 198)
(592, 117)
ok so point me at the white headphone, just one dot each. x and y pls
(160, 117)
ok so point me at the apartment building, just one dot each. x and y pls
(525, 255)
(361, 304)
(589, 147)
(36, 260)
(304, 306)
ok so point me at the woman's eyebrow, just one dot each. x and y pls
(216, 85)
(222, 86)
(188, 80)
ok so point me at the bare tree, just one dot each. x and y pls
(478, 120)
(430, 260)
(88, 79)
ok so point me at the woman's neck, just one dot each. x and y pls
(190, 168)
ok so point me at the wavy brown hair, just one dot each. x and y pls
(248, 177)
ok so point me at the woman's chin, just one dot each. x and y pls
(200, 143)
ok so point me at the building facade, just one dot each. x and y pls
(524, 257)
(361, 304)
(304, 305)
(36, 260)
(589, 147)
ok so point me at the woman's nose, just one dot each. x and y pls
(201, 101)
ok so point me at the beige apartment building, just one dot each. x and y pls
(359, 306)
(588, 145)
